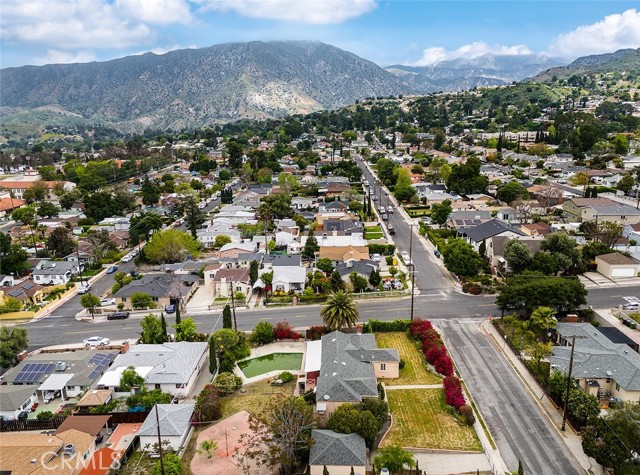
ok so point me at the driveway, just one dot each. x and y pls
(520, 429)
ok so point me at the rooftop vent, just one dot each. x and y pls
(61, 366)
(70, 450)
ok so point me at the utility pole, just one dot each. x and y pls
(159, 443)
(566, 398)
(413, 267)
(233, 307)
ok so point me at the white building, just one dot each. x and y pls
(175, 426)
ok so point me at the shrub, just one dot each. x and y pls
(316, 332)
(471, 288)
(438, 357)
(286, 377)
(262, 334)
(44, 416)
(208, 404)
(283, 331)
(418, 327)
(401, 364)
(227, 383)
(466, 412)
(373, 326)
(453, 392)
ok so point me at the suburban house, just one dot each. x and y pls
(536, 229)
(339, 453)
(94, 424)
(347, 368)
(172, 367)
(53, 273)
(38, 454)
(497, 244)
(548, 195)
(175, 426)
(362, 268)
(224, 279)
(19, 187)
(207, 236)
(464, 219)
(339, 254)
(482, 232)
(617, 266)
(232, 250)
(345, 226)
(164, 289)
(276, 260)
(71, 372)
(94, 398)
(288, 278)
(15, 399)
(9, 205)
(601, 367)
(600, 209)
(26, 292)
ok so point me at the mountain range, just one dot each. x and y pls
(467, 73)
(255, 80)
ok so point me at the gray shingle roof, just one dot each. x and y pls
(363, 268)
(13, 397)
(276, 260)
(332, 448)
(173, 362)
(158, 285)
(489, 229)
(597, 357)
(346, 372)
(175, 420)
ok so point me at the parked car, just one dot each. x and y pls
(105, 302)
(390, 209)
(391, 230)
(405, 256)
(375, 257)
(83, 289)
(385, 217)
(112, 269)
(170, 308)
(118, 316)
(96, 341)
(631, 306)
(127, 258)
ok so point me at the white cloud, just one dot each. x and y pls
(55, 56)
(437, 54)
(304, 11)
(88, 24)
(620, 30)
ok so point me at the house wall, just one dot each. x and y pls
(311, 380)
(621, 270)
(337, 469)
(52, 279)
(11, 415)
(221, 289)
(175, 442)
(74, 391)
(392, 369)
(588, 214)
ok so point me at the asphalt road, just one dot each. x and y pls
(521, 431)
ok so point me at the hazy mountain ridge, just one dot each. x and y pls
(195, 87)
(623, 59)
(462, 73)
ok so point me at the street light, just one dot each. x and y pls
(566, 398)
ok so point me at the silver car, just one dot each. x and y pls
(96, 341)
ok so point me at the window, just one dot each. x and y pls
(608, 380)
(383, 366)
(157, 386)
(617, 387)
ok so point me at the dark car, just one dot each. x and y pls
(118, 316)
(391, 230)
(112, 269)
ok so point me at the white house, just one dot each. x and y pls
(175, 426)
(53, 273)
(170, 367)
(286, 278)
(15, 399)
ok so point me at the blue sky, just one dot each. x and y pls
(420, 32)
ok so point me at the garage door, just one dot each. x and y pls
(623, 272)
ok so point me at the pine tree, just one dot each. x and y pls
(369, 206)
(164, 327)
(178, 318)
(310, 246)
(352, 472)
(520, 468)
(226, 317)
(213, 364)
(253, 272)
(499, 146)
(325, 471)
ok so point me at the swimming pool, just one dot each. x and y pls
(273, 362)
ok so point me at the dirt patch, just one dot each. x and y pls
(224, 460)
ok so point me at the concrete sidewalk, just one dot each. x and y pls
(571, 439)
(450, 463)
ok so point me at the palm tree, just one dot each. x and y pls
(395, 458)
(340, 311)
(207, 447)
(542, 318)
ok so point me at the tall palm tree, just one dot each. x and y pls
(542, 319)
(340, 311)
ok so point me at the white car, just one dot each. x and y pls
(376, 257)
(105, 302)
(96, 341)
(127, 258)
(83, 289)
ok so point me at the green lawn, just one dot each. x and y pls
(373, 232)
(421, 420)
(254, 398)
(415, 370)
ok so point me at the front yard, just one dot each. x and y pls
(421, 419)
(254, 397)
(373, 232)
(415, 370)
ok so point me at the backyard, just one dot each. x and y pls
(421, 419)
(415, 370)
(254, 397)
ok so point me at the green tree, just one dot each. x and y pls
(582, 405)
(277, 206)
(226, 317)
(90, 302)
(171, 245)
(13, 259)
(626, 183)
(543, 319)
(36, 193)
(130, 379)
(360, 284)
(221, 240)
(520, 468)
(13, 340)
(404, 189)
(150, 192)
(531, 289)
(565, 252)
(517, 256)
(461, 259)
(172, 465)
(440, 212)
(325, 265)
(512, 191)
(186, 330)
(163, 326)
(141, 300)
(465, 178)
(208, 404)
(151, 330)
(48, 210)
(374, 278)
(395, 458)
(340, 311)
(253, 271)
(60, 242)
(262, 334)
(310, 246)
(207, 447)
(234, 153)
(193, 216)
(336, 282)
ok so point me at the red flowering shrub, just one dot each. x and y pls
(418, 327)
(430, 339)
(438, 357)
(453, 392)
(283, 331)
(296, 336)
(316, 332)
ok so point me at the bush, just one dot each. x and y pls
(227, 383)
(262, 334)
(284, 331)
(373, 326)
(286, 377)
(44, 416)
(383, 249)
(471, 288)
(466, 412)
(453, 392)
(316, 332)
(389, 260)
(208, 404)
(402, 363)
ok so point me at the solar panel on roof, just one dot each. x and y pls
(28, 285)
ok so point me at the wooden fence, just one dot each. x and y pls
(31, 424)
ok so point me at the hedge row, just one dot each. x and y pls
(373, 326)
